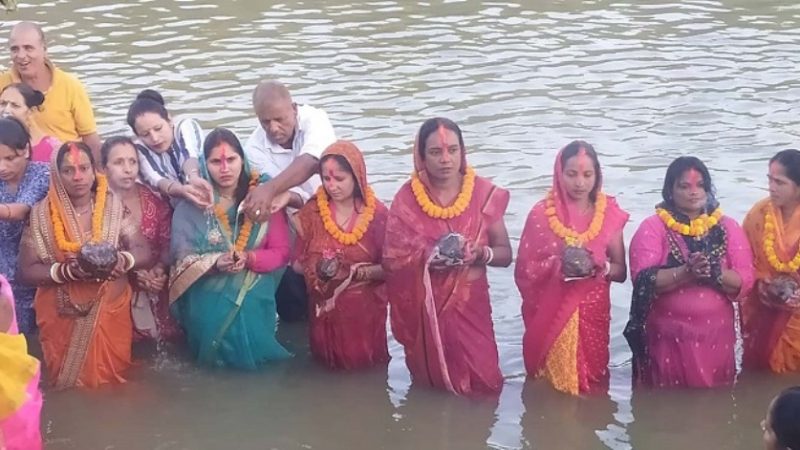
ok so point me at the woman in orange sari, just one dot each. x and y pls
(771, 313)
(571, 250)
(74, 250)
(445, 227)
(339, 248)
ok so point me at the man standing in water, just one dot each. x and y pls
(67, 112)
(287, 146)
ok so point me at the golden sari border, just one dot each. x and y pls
(187, 271)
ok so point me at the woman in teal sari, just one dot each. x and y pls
(226, 267)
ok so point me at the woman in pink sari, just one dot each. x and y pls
(689, 264)
(576, 232)
(444, 227)
(20, 399)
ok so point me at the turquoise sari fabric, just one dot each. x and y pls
(229, 319)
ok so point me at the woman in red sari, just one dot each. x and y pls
(152, 215)
(445, 226)
(571, 250)
(339, 248)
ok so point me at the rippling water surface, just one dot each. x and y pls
(643, 81)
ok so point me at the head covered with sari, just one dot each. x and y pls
(548, 301)
(422, 299)
(58, 203)
(348, 155)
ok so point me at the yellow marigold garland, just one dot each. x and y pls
(459, 205)
(770, 225)
(568, 234)
(362, 223)
(696, 228)
(247, 226)
(59, 230)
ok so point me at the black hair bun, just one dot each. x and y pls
(150, 94)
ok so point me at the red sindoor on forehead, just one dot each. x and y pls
(693, 176)
(585, 162)
(74, 155)
(224, 149)
(443, 137)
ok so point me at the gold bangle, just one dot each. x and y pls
(169, 188)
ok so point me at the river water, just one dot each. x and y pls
(643, 81)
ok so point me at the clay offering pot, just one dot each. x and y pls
(450, 249)
(576, 262)
(98, 259)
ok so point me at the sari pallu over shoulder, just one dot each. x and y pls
(347, 317)
(85, 326)
(443, 318)
(771, 335)
(229, 318)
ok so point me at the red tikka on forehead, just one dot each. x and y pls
(223, 146)
(328, 167)
(694, 177)
(74, 154)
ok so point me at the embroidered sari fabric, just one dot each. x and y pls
(684, 337)
(771, 335)
(445, 324)
(20, 398)
(85, 326)
(229, 318)
(566, 322)
(150, 311)
(348, 332)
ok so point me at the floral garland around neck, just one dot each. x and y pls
(695, 228)
(568, 234)
(770, 227)
(362, 223)
(59, 230)
(459, 205)
(247, 226)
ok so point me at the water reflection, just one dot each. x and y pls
(554, 420)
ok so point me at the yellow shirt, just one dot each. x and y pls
(67, 112)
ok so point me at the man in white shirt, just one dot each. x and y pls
(287, 146)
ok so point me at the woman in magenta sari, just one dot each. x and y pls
(571, 250)
(689, 264)
(445, 226)
(152, 215)
(20, 398)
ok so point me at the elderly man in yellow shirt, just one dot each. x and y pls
(67, 112)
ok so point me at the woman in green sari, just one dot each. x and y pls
(227, 267)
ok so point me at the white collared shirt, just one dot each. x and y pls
(313, 134)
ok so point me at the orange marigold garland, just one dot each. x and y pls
(247, 226)
(696, 228)
(362, 223)
(454, 210)
(59, 230)
(568, 234)
(770, 226)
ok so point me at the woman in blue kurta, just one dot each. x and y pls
(22, 184)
